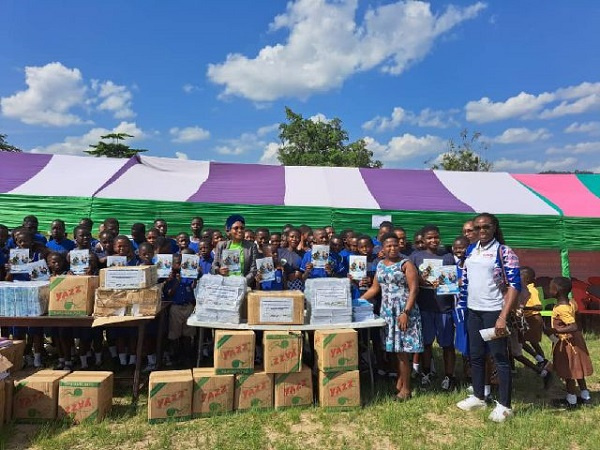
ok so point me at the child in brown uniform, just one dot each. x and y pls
(571, 358)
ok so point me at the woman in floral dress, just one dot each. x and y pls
(397, 278)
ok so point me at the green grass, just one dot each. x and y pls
(429, 420)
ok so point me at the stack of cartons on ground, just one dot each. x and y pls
(170, 395)
(85, 396)
(128, 291)
(35, 398)
(213, 394)
(337, 361)
(14, 353)
(283, 358)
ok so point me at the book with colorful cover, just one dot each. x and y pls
(19, 260)
(231, 260)
(39, 270)
(164, 264)
(80, 261)
(266, 268)
(189, 266)
(447, 277)
(357, 267)
(428, 268)
(320, 255)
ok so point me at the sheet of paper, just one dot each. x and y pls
(357, 267)
(320, 255)
(189, 266)
(231, 260)
(266, 268)
(276, 309)
(80, 261)
(164, 264)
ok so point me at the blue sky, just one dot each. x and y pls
(210, 80)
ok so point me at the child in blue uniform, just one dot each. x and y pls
(59, 242)
(280, 281)
(205, 254)
(306, 266)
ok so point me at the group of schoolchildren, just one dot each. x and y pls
(442, 316)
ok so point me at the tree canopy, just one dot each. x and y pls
(114, 149)
(307, 142)
(465, 155)
(6, 147)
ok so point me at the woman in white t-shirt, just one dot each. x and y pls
(491, 283)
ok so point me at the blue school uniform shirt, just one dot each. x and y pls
(274, 285)
(174, 246)
(317, 272)
(64, 246)
(206, 264)
(135, 245)
(340, 263)
(184, 293)
(37, 237)
(194, 246)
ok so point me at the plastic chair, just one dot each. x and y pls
(547, 303)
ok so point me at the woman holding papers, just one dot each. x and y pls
(491, 283)
(235, 256)
(398, 280)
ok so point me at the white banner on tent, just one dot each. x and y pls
(494, 192)
(159, 179)
(339, 187)
(71, 176)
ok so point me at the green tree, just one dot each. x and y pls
(465, 155)
(307, 142)
(6, 147)
(114, 149)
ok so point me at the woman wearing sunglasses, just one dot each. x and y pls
(491, 283)
(240, 257)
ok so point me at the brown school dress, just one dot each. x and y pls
(571, 358)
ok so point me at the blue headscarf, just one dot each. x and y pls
(233, 219)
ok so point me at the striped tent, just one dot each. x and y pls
(559, 213)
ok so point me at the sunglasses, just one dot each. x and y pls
(485, 226)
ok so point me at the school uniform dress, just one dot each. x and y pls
(394, 295)
(534, 319)
(571, 358)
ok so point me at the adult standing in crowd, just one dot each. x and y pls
(398, 280)
(235, 227)
(491, 283)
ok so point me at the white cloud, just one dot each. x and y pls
(269, 156)
(326, 44)
(114, 98)
(75, 145)
(404, 147)
(188, 88)
(263, 131)
(52, 91)
(181, 155)
(426, 118)
(188, 134)
(592, 128)
(522, 135)
(246, 143)
(578, 99)
(575, 149)
(514, 165)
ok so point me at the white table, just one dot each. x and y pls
(366, 325)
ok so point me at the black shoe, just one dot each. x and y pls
(564, 404)
(584, 402)
(547, 379)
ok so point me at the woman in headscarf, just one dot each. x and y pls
(235, 227)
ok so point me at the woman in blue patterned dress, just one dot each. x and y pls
(397, 278)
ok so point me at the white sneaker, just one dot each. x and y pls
(470, 403)
(500, 413)
(470, 390)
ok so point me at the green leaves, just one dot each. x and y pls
(318, 142)
(114, 149)
(464, 156)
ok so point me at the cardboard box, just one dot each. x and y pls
(339, 389)
(253, 391)
(85, 395)
(234, 351)
(128, 302)
(170, 395)
(72, 295)
(213, 394)
(35, 398)
(282, 351)
(294, 389)
(275, 308)
(14, 353)
(128, 277)
(9, 387)
(336, 350)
